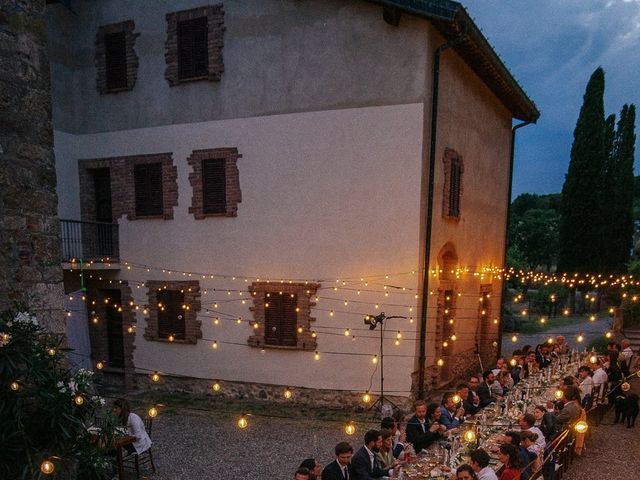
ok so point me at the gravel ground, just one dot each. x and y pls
(611, 451)
(194, 446)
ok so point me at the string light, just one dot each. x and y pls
(454, 337)
(243, 422)
(155, 377)
(592, 318)
(214, 345)
(47, 467)
(152, 412)
(51, 351)
(100, 365)
(543, 320)
(316, 355)
(350, 428)
(558, 394)
(171, 338)
(513, 362)
(580, 338)
(550, 340)
(456, 399)
(593, 359)
(287, 393)
(15, 386)
(374, 359)
(514, 338)
(216, 387)
(440, 362)
(78, 400)
(581, 426)
(608, 335)
(470, 436)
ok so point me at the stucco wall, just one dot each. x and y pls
(279, 56)
(325, 195)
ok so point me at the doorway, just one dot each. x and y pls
(115, 336)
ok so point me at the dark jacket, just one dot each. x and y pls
(361, 466)
(333, 471)
(484, 392)
(468, 405)
(548, 426)
(417, 437)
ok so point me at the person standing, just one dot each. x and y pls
(340, 469)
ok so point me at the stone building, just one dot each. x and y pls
(30, 273)
(244, 183)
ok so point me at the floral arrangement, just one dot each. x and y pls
(46, 408)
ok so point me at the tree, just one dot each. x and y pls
(45, 408)
(535, 234)
(581, 226)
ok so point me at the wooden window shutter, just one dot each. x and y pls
(454, 188)
(148, 189)
(115, 47)
(193, 52)
(171, 314)
(281, 320)
(214, 191)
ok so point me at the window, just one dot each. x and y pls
(171, 308)
(116, 59)
(173, 311)
(215, 181)
(214, 197)
(282, 315)
(148, 189)
(280, 319)
(115, 48)
(192, 48)
(453, 170)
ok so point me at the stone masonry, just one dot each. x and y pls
(30, 270)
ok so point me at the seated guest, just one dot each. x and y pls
(451, 415)
(516, 371)
(484, 390)
(586, 386)
(463, 392)
(546, 422)
(563, 347)
(479, 461)
(363, 462)
(313, 467)
(526, 457)
(505, 379)
(510, 460)
(542, 356)
(472, 405)
(385, 454)
(340, 469)
(571, 409)
(135, 427)
(398, 438)
(465, 472)
(302, 474)
(527, 424)
(532, 365)
(499, 363)
(420, 432)
(529, 440)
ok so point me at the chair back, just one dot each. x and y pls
(148, 423)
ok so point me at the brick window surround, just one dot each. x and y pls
(126, 28)
(123, 195)
(192, 326)
(452, 188)
(233, 195)
(304, 340)
(215, 43)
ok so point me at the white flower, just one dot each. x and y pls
(23, 317)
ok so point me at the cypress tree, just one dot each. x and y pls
(581, 229)
(621, 215)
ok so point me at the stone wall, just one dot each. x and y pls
(30, 269)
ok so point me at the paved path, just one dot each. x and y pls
(590, 330)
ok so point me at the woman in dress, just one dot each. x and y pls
(509, 457)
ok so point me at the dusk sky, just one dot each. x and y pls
(552, 47)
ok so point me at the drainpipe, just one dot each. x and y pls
(506, 232)
(427, 243)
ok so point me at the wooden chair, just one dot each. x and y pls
(134, 461)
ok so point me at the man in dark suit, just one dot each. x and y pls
(484, 390)
(340, 469)
(470, 402)
(420, 432)
(363, 462)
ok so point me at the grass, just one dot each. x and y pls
(534, 326)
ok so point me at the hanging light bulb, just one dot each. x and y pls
(316, 355)
(314, 334)
(374, 359)
(100, 365)
(78, 400)
(608, 335)
(513, 362)
(440, 362)
(550, 340)
(558, 394)
(397, 343)
(243, 422)
(155, 377)
(171, 338)
(593, 359)
(445, 344)
(543, 320)
(152, 412)
(15, 386)
(47, 467)
(581, 426)
(454, 337)
(214, 345)
(592, 318)
(350, 428)
(580, 338)
(470, 436)
(347, 332)
(456, 399)
(366, 398)
(51, 351)
(216, 387)
(300, 329)
(399, 335)
(514, 338)
(287, 393)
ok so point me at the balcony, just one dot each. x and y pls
(89, 241)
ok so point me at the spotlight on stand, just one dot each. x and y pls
(373, 321)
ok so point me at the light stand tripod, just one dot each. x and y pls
(373, 321)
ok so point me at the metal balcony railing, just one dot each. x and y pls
(89, 240)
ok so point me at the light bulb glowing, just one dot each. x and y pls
(550, 340)
(440, 362)
(470, 436)
(514, 338)
(78, 400)
(155, 377)
(347, 332)
(287, 393)
(581, 427)
(366, 398)
(513, 362)
(593, 359)
(374, 359)
(15, 386)
(456, 399)
(152, 412)
(543, 320)
(47, 467)
(51, 351)
(316, 356)
(350, 428)
(243, 422)
(558, 394)
(171, 338)
(580, 338)
(216, 387)
(608, 335)
(592, 318)
(214, 345)
(445, 344)
(454, 337)
(100, 365)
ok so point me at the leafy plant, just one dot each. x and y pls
(46, 408)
